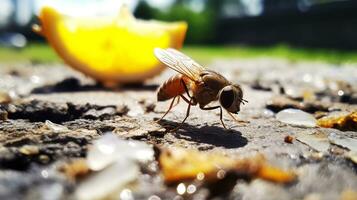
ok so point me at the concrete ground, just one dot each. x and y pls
(88, 110)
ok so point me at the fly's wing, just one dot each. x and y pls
(179, 62)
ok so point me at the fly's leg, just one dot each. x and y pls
(193, 102)
(177, 102)
(187, 114)
(237, 120)
(221, 118)
(190, 103)
(186, 89)
(220, 114)
(186, 100)
(168, 110)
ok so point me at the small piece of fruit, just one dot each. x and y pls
(181, 164)
(346, 122)
(110, 49)
(289, 139)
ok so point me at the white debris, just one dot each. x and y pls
(317, 141)
(352, 155)
(57, 128)
(126, 194)
(5, 97)
(296, 117)
(110, 148)
(102, 153)
(103, 183)
(36, 79)
(117, 164)
(293, 91)
(343, 141)
(135, 111)
(268, 113)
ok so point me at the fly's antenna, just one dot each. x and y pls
(243, 101)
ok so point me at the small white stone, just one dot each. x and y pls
(106, 182)
(139, 151)
(352, 155)
(36, 79)
(317, 141)
(349, 143)
(135, 111)
(268, 113)
(110, 148)
(294, 92)
(296, 117)
(102, 153)
(57, 128)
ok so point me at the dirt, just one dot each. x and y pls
(30, 151)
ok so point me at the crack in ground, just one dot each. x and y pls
(40, 111)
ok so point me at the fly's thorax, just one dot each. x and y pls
(213, 80)
(204, 95)
(206, 90)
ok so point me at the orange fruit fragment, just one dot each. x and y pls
(110, 49)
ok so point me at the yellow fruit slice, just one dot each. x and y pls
(110, 49)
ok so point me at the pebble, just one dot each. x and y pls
(111, 179)
(44, 159)
(57, 128)
(3, 115)
(296, 117)
(102, 153)
(110, 148)
(5, 97)
(115, 162)
(343, 141)
(352, 156)
(316, 140)
(29, 150)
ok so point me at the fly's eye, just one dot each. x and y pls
(226, 98)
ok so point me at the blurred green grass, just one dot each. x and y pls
(202, 53)
(36, 52)
(42, 53)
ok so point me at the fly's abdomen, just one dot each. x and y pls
(171, 88)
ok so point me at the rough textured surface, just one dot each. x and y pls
(31, 152)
